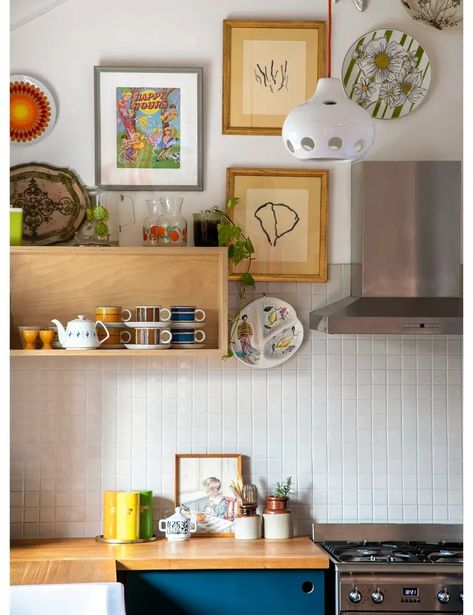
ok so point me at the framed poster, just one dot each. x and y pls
(269, 67)
(148, 128)
(203, 491)
(284, 212)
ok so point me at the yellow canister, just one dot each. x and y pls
(109, 514)
(128, 515)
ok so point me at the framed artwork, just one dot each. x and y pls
(148, 128)
(203, 491)
(269, 67)
(284, 212)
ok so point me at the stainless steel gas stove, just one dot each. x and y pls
(393, 568)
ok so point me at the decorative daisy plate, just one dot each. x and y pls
(268, 333)
(438, 14)
(32, 110)
(387, 72)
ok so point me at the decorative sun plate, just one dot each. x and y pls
(438, 14)
(268, 333)
(386, 72)
(32, 110)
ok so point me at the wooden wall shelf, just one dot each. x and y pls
(61, 282)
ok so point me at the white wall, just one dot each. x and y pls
(369, 426)
(62, 46)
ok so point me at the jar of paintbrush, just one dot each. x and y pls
(247, 521)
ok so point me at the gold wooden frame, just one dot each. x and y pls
(235, 456)
(321, 274)
(315, 68)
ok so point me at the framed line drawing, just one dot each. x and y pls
(202, 490)
(284, 212)
(148, 128)
(269, 67)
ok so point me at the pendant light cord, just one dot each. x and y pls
(329, 40)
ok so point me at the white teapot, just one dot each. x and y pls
(80, 334)
(177, 526)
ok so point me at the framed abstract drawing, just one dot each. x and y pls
(284, 212)
(203, 491)
(148, 128)
(269, 67)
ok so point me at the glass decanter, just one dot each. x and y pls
(150, 224)
(172, 225)
(95, 230)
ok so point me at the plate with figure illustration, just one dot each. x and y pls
(266, 333)
(387, 72)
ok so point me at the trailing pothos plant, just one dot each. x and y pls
(240, 249)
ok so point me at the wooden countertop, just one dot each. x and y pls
(67, 560)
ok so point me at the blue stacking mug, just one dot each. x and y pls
(187, 336)
(186, 313)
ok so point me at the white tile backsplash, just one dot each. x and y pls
(370, 427)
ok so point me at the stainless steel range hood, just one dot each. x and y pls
(406, 251)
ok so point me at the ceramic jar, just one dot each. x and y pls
(177, 526)
(172, 225)
(247, 524)
(277, 518)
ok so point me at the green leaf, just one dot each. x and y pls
(228, 355)
(225, 233)
(230, 204)
(248, 280)
(231, 251)
(250, 246)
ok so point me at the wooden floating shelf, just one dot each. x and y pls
(61, 282)
(117, 352)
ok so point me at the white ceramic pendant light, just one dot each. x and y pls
(329, 126)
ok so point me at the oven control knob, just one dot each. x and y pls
(355, 596)
(377, 596)
(443, 596)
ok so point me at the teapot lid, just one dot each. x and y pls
(81, 318)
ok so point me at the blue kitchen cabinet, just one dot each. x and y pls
(223, 592)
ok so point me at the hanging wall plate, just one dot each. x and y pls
(437, 14)
(267, 334)
(32, 110)
(387, 72)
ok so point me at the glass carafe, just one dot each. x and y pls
(172, 225)
(150, 224)
(95, 230)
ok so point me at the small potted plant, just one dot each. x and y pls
(277, 502)
(277, 517)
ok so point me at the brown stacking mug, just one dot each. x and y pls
(148, 313)
(147, 336)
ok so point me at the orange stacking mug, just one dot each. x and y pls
(108, 313)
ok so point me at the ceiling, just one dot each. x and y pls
(24, 11)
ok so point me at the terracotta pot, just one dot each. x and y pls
(276, 505)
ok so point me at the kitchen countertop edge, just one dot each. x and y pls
(44, 560)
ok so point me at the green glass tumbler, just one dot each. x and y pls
(16, 226)
(146, 514)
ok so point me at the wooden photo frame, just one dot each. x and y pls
(269, 67)
(202, 490)
(285, 213)
(148, 128)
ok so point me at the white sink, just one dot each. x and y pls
(67, 598)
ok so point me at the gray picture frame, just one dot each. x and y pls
(98, 72)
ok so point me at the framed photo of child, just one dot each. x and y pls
(203, 491)
(148, 128)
